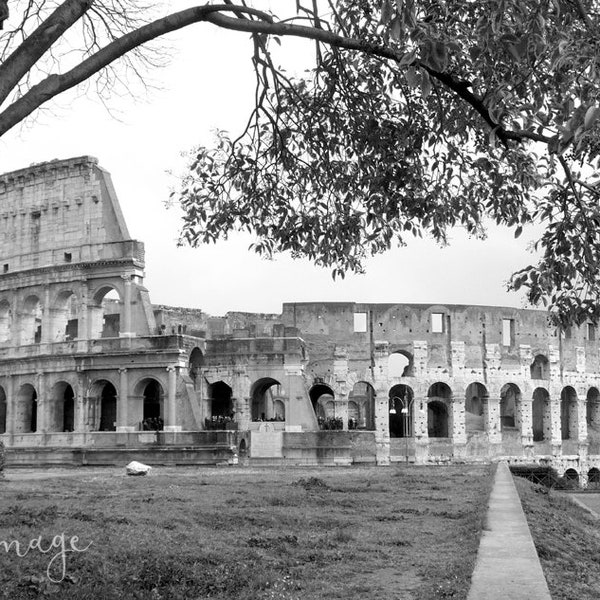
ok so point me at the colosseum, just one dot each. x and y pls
(91, 372)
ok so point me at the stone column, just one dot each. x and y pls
(526, 421)
(11, 404)
(81, 405)
(582, 420)
(126, 332)
(171, 412)
(42, 405)
(459, 431)
(47, 317)
(123, 404)
(420, 430)
(491, 416)
(556, 436)
(382, 428)
(341, 411)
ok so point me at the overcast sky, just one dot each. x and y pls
(208, 84)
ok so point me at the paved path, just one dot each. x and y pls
(507, 565)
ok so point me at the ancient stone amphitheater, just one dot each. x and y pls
(91, 372)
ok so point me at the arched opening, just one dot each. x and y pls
(65, 322)
(2, 410)
(105, 313)
(352, 415)
(594, 478)
(263, 394)
(243, 448)
(61, 409)
(153, 395)
(69, 410)
(31, 321)
(195, 363)
(439, 397)
(26, 407)
(221, 403)
(279, 410)
(400, 364)
(541, 418)
(568, 414)
(363, 397)
(320, 395)
(5, 321)
(592, 409)
(401, 399)
(510, 398)
(540, 367)
(572, 475)
(475, 397)
(108, 408)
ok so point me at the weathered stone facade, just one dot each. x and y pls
(89, 365)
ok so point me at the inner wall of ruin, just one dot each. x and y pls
(87, 361)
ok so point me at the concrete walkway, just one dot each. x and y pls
(507, 565)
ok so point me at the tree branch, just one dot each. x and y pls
(35, 45)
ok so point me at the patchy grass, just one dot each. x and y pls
(567, 539)
(407, 533)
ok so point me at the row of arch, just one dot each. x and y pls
(401, 364)
(103, 312)
(60, 413)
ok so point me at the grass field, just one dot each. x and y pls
(407, 533)
(567, 539)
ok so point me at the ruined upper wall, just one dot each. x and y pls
(62, 210)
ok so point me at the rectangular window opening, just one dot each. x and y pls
(591, 332)
(508, 332)
(437, 323)
(360, 322)
(68, 257)
(5, 267)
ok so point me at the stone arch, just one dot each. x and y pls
(363, 396)
(319, 395)
(279, 410)
(400, 364)
(541, 415)
(352, 415)
(476, 396)
(2, 410)
(153, 396)
(401, 401)
(263, 394)
(243, 448)
(30, 326)
(569, 427)
(540, 367)
(65, 317)
(572, 475)
(439, 398)
(221, 399)
(26, 408)
(510, 401)
(195, 363)
(105, 311)
(61, 409)
(103, 406)
(592, 411)
(594, 478)
(5, 321)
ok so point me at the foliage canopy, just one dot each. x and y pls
(419, 115)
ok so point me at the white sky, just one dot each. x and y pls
(208, 84)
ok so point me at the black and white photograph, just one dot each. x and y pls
(299, 299)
